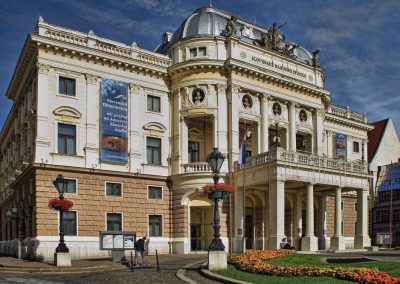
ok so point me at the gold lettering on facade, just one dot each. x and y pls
(277, 66)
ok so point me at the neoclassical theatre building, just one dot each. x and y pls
(131, 129)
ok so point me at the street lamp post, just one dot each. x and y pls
(61, 186)
(215, 160)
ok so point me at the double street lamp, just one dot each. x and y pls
(61, 185)
(215, 160)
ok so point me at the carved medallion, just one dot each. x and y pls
(198, 96)
(247, 102)
(276, 109)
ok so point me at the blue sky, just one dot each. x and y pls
(359, 40)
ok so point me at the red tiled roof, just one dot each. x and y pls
(375, 137)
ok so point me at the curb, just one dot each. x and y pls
(21, 270)
(207, 273)
(181, 273)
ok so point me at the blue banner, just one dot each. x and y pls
(114, 121)
(341, 146)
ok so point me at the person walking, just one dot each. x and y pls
(139, 248)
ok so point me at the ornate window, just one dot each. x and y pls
(66, 86)
(155, 225)
(153, 150)
(69, 223)
(197, 96)
(114, 189)
(276, 109)
(193, 151)
(66, 139)
(153, 103)
(114, 222)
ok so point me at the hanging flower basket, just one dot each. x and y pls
(60, 204)
(217, 191)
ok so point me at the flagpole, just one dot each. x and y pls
(244, 196)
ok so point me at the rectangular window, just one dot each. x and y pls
(342, 205)
(356, 147)
(71, 185)
(355, 206)
(194, 152)
(154, 192)
(155, 225)
(69, 223)
(342, 229)
(114, 222)
(193, 52)
(153, 103)
(113, 189)
(202, 51)
(66, 86)
(153, 149)
(66, 139)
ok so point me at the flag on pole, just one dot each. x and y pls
(242, 151)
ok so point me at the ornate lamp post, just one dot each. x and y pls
(61, 186)
(215, 160)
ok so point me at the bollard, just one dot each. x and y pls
(131, 261)
(158, 262)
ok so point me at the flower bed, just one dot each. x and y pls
(60, 204)
(254, 261)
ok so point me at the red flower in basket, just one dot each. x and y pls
(208, 188)
(60, 204)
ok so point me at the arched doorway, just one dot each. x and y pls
(201, 224)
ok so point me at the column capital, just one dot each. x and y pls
(234, 88)
(221, 88)
(264, 97)
(91, 79)
(134, 88)
(42, 68)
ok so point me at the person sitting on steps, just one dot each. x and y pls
(286, 245)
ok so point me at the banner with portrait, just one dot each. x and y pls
(341, 146)
(114, 121)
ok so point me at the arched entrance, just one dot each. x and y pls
(201, 224)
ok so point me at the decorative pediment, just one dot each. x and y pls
(154, 126)
(67, 111)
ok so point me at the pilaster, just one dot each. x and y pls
(338, 241)
(276, 213)
(92, 115)
(136, 132)
(318, 121)
(362, 239)
(292, 126)
(309, 242)
(264, 139)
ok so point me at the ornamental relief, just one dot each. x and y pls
(198, 96)
(277, 111)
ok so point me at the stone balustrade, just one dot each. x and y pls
(347, 113)
(304, 159)
(199, 167)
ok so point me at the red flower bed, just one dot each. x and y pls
(210, 187)
(255, 261)
(60, 204)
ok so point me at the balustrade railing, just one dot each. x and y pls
(304, 159)
(198, 167)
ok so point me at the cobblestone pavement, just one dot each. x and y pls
(167, 274)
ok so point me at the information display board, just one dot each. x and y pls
(117, 240)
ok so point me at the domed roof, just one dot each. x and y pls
(211, 21)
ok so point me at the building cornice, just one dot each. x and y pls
(348, 122)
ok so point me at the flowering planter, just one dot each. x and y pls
(63, 204)
(217, 194)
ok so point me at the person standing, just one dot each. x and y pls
(139, 248)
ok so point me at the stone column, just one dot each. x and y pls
(318, 121)
(329, 143)
(298, 221)
(362, 239)
(92, 115)
(42, 141)
(276, 213)
(292, 126)
(233, 132)
(310, 242)
(176, 159)
(135, 128)
(322, 217)
(338, 241)
(238, 203)
(222, 125)
(264, 141)
(184, 140)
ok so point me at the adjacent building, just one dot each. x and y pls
(131, 129)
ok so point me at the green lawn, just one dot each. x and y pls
(390, 267)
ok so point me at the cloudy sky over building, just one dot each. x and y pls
(359, 40)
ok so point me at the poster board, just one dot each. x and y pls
(117, 240)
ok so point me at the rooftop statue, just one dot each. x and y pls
(230, 28)
(315, 58)
(272, 38)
